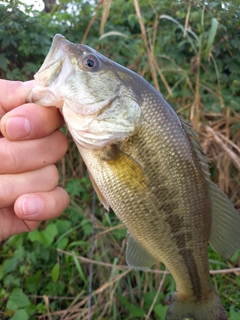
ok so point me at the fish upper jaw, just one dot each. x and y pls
(56, 70)
(54, 62)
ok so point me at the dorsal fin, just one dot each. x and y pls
(193, 136)
(225, 232)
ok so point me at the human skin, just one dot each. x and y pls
(30, 145)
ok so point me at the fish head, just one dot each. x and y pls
(92, 92)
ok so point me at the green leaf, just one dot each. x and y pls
(234, 314)
(132, 20)
(3, 62)
(20, 315)
(133, 310)
(10, 265)
(149, 297)
(55, 272)
(62, 243)
(63, 225)
(17, 240)
(46, 236)
(5, 42)
(160, 311)
(1, 272)
(32, 281)
(73, 187)
(87, 227)
(33, 236)
(11, 281)
(211, 37)
(17, 299)
(119, 233)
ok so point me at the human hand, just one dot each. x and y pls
(30, 144)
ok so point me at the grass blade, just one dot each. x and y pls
(211, 37)
(165, 16)
(79, 268)
(112, 33)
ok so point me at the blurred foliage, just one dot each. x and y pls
(187, 49)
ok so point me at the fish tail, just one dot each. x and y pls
(209, 309)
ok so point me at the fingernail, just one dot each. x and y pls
(17, 128)
(31, 206)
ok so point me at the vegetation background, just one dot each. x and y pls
(190, 52)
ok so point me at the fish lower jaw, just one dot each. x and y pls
(43, 97)
(88, 140)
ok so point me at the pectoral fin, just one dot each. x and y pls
(225, 234)
(101, 197)
(137, 256)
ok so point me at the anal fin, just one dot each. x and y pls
(137, 256)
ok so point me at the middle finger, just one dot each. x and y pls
(14, 185)
(31, 154)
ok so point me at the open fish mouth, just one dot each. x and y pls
(53, 52)
(96, 115)
(53, 63)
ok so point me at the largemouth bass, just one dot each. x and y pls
(148, 166)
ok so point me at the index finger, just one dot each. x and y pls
(13, 94)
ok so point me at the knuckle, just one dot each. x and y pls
(6, 190)
(12, 155)
(60, 143)
(5, 153)
(3, 229)
(2, 113)
(52, 174)
(55, 173)
(60, 200)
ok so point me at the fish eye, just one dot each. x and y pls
(90, 62)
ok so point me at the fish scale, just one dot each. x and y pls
(148, 166)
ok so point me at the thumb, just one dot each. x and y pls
(13, 94)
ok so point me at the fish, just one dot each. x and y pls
(146, 163)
